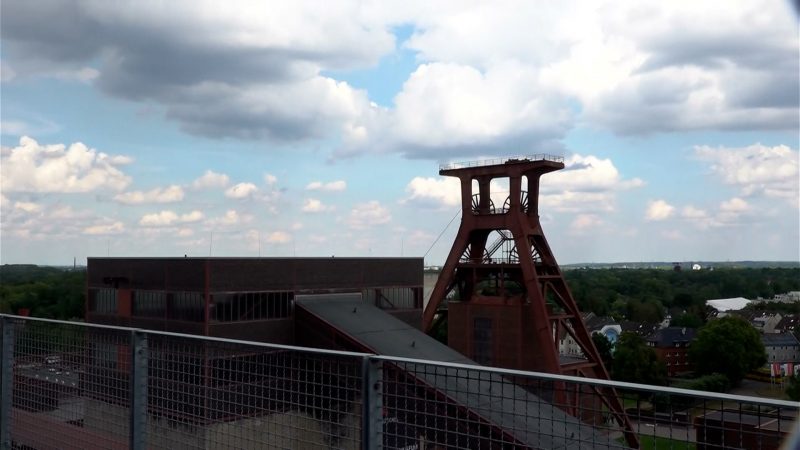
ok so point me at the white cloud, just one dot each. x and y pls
(449, 110)
(241, 190)
(211, 179)
(31, 167)
(185, 232)
(366, 215)
(159, 219)
(436, 192)
(105, 229)
(735, 205)
(169, 194)
(659, 210)
(279, 237)
(332, 186)
(194, 216)
(587, 173)
(270, 179)
(257, 71)
(584, 222)
(167, 218)
(28, 207)
(231, 217)
(690, 212)
(756, 169)
(312, 205)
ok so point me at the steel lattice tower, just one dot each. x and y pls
(501, 290)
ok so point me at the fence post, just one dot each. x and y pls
(372, 404)
(138, 390)
(6, 381)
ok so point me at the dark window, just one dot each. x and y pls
(390, 297)
(103, 301)
(482, 340)
(188, 306)
(149, 304)
(241, 306)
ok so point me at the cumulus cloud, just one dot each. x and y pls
(270, 179)
(211, 179)
(167, 218)
(734, 205)
(31, 167)
(116, 227)
(331, 186)
(241, 190)
(28, 207)
(366, 215)
(584, 222)
(169, 194)
(434, 192)
(447, 110)
(260, 71)
(312, 205)
(756, 169)
(231, 217)
(251, 70)
(279, 237)
(659, 210)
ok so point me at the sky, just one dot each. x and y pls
(292, 128)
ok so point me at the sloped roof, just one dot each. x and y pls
(779, 340)
(728, 304)
(668, 337)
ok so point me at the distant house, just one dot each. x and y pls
(725, 305)
(788, 324)
(642, 329)
(766, 322)
(781, 348)
(789, 297)
(671, 345)
(606, 326)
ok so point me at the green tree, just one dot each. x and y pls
(729, 346)
(634, 361)
(793, 388)
(686, 320)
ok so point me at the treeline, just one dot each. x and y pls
(646, 295)
(48, 292)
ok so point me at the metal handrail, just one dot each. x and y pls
(450, 365)
(503, 160)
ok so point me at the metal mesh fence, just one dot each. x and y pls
(67, 385)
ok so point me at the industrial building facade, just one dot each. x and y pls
(241, 298)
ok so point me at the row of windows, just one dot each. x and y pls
(233, 307)
(187, 306)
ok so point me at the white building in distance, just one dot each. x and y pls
(724, 305)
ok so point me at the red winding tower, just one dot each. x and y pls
(501, 290)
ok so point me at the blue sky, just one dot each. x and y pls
(283, 128)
